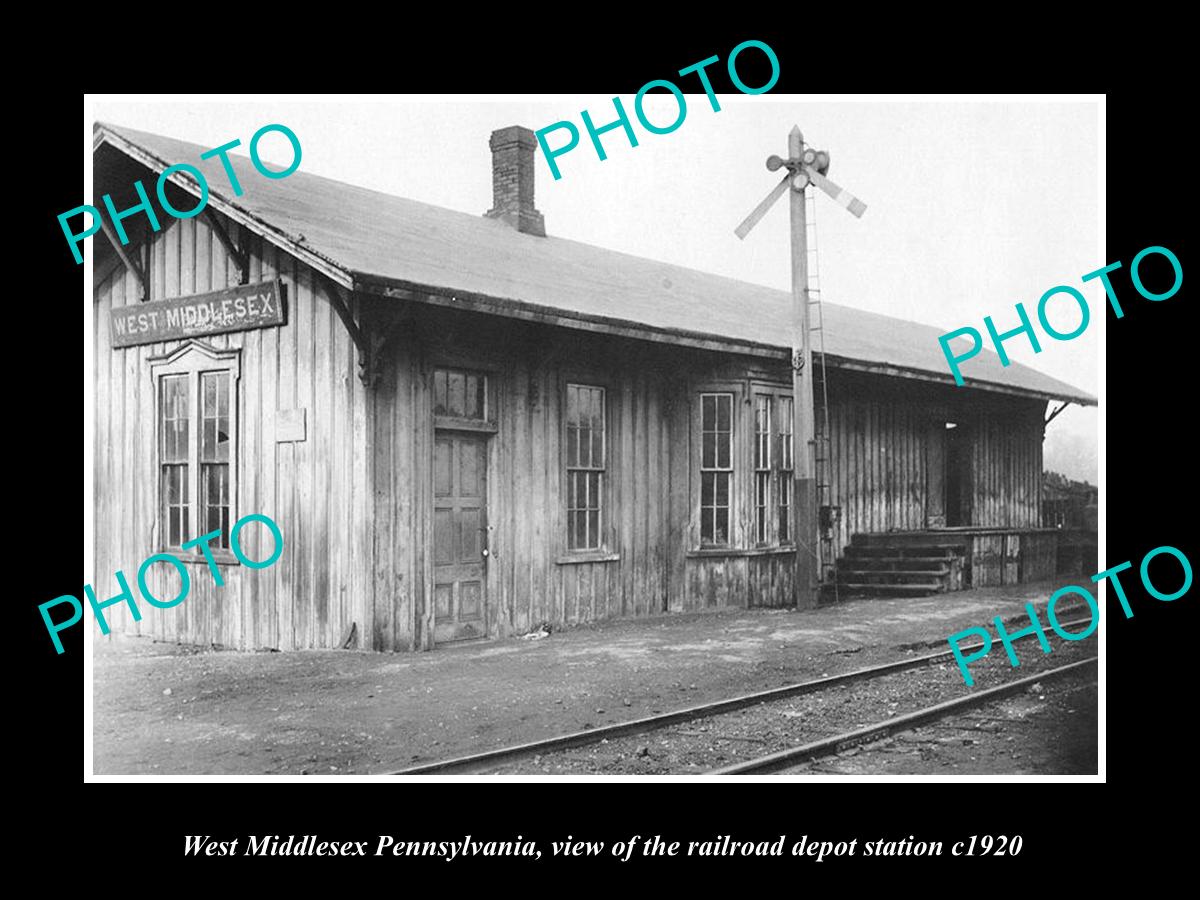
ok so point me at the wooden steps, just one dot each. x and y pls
(906, 564)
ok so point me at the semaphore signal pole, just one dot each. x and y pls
(808, 563)
(804, 166)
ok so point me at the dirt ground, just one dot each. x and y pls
(164, 709)
(700, 746)
(1049, 729)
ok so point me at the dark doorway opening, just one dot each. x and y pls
(958, 475)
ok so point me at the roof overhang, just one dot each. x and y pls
(531, 312)
(513, 307)
(227, 207)
(518, 309)
(947, 379)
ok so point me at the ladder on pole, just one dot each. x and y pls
(806, 166)
(822, 449)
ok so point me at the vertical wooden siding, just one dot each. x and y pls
(353, 499)
(316, 490)
(528, 584)
(880, 452)
(878, 455)
(1007, 467)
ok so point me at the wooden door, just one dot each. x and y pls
(460, 546)
(958, 476)
(935, 475)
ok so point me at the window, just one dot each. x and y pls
(741, 475)
(716, 467)
(174, 443)
(786, 482)
(460, 394)
(762, 467)
(214, 454)
(196, 399)
(586, 429)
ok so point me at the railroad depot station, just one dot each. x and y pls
(468, 428)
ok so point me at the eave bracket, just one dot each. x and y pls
(370, 346)
(130, 263)
(1050, 418)
(238, 254)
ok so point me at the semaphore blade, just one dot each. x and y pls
(841, 195)
(761, 210)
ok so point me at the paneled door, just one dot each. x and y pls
(460, 545)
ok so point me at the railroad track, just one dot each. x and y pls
(533, 749)
(784, 759)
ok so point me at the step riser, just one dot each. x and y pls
(904, 552)
(907, 541)
(867, 564)
(900, 565)
(884, 590)
(941, 580)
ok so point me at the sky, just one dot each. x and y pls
(971, 206)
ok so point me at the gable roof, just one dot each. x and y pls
(368, 240)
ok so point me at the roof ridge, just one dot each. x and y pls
(421, 243)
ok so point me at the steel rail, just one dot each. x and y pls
(700, 711)
(786, 758)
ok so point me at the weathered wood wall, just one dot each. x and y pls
(650, 529)
(1012, 557)
(741, 579)
(1007, 464)
(316, 490)
(878, 450)
(354, 500)
(881, 432)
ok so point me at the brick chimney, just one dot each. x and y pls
(512, 180)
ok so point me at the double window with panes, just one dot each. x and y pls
(586, 466)
(196, 403)
(769, 482)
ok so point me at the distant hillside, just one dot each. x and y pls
(1074, 455)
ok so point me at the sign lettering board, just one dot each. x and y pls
(240, 308)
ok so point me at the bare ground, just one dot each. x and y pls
(1049, 729)
(167, 709)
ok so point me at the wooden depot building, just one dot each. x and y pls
(466, 428)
